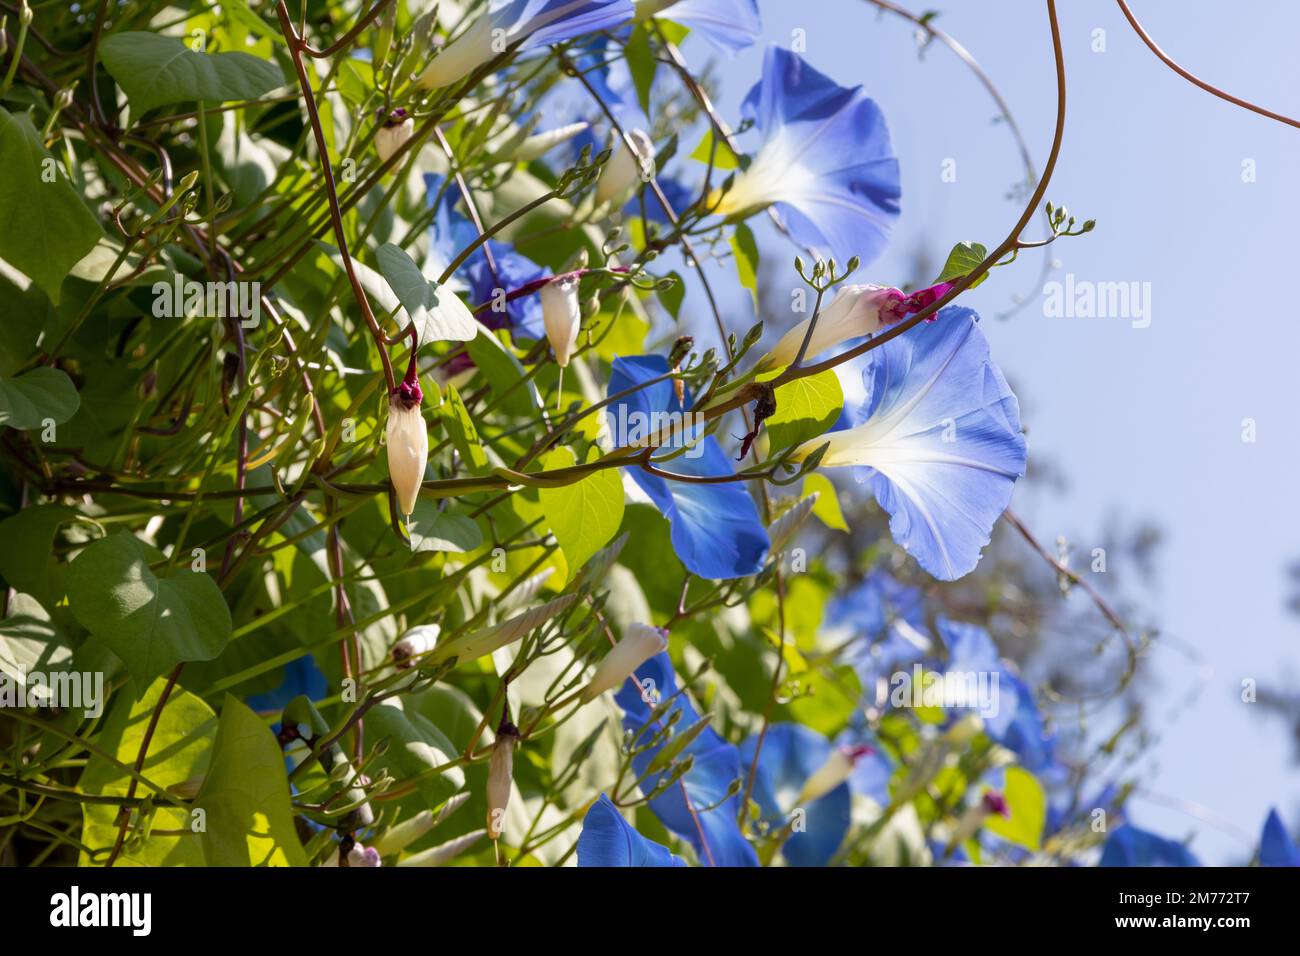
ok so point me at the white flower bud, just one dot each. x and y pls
(626, 167)
(361, 856)
(408, 446)
(416, 641)
(537, 145)
(854, 312)
(461, 56)
(501, 775)
(990, 803)
(394, 134)
(837, 768)
(562, 317)
(402, 835)
(639, 643)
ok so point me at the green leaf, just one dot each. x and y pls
(641, 63)
(963, 259)
(460, 427)
(240, 12)
(27, 551)
(805, 408)
(1028, 806)
(31, 398)
(246, 796)
(827, 508)
(673, 32)
(723, 157)
(29, 641)
(504, 374)
(828, 699)
(415, 746)
(438, 315)
(671, 297)
(746, 252)
(151, 623)
(435, 530)
(155, 70)
(586, 514)
(45, 228)
(179, 754)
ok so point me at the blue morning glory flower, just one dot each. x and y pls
(609, 840)
(1017, 725)
(301, 677)
(825, 162)
(885, 623)
(1129, 846)
(696, 807)
(971, 650)
(790, 757)
(530, 23)
(938, 440)
(730, 25)
(1275, 846)
(715, 527)
(678, 194)
(607, 70)
(506, 270)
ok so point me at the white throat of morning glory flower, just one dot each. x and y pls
(775, 175)
(874, 444)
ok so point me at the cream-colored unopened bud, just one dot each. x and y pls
(562, 317)
(418, 640)
(501, 774)
(393, 135)
(854, 312)
(626, 167)
(639, 643)
(408, 446)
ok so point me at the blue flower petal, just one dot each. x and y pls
(715, 529)
(938, 440)
(696, 807)
(884, 620)
(482, 276)
(971, 650)
(554, 21)
(1129, 846)
(730, 25)
(609, 840)
(301, 677)
(792, 753)
(678, 194)
(825, 161)
(1275, 846)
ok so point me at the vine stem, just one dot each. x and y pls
(124, 817)
(1192, 78)
(958, 50)
(296, 48)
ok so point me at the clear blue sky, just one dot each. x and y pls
(1145, 423)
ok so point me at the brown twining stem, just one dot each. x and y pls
(124, 817)
(296, 46)
(1073, 577)
(926, 25)
(1192, 78)
(348, 37)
